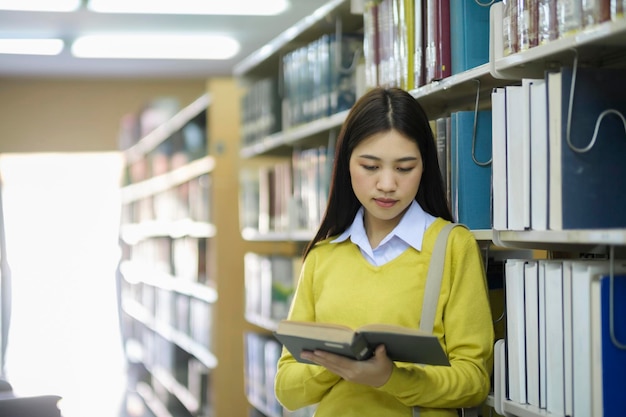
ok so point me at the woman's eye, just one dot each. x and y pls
(402, 169)
(370, 167)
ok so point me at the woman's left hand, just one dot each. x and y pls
(374, 371)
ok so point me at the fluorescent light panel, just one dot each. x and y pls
(134, 46)
(40, 5)
(31, 46)
(210, 7)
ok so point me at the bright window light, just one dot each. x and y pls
(155, 47)
(40, 5)
(31, 46)
(214, 7)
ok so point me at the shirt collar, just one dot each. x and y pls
(410, 229)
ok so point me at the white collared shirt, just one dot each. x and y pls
(408, 233)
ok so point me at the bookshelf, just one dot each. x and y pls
(274, 247)
(598, 45)
(168, 288)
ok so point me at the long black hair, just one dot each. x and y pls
(381, 110)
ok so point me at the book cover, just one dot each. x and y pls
(471, 168)
(555, 365)
(569, 17)
(527, 20)
(469, 41)
(584, 273)
(515, 330)
(402, 344)
(418, 43)
(431, 30)
(531, 312)
(442, 139)
(541, 290)
(509, 27)
(444, 58)
(371, 43)
(547, 28)
(608, 354)
(538, 156)
(587, 175)
(515, 145)
(499, 163)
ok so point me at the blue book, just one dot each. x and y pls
(586, 189)
(608, 375)
(469, 37)
(470, 180)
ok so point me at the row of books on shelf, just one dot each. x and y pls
(261, 110)
(182, 318)
(183, 258)
(410, 43)
(183, 146)
(558, 148)
(136, 125)
(270, 282)
(177, 378)
(547, 156)
(316, 80)
(187, 200)
(528, 23)
(261, 358)
(289, 195)
(565, 335)
(463, 141)
(320, 78)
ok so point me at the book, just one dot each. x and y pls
(470, 168)
(469, 41)
(584, 273)
(584, 186)
(547, 28)
(531, 321)
(437, 40)
(515, 146)
(538, 155)
(555, 338)
(527, 20)
(515, 330)
(418, 43)
(608, 325)
(569, 17)
(499, 162)
(541, 290)
(402, 344)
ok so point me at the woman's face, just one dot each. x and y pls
(385, 170)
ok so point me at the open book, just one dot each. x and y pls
(402, 344)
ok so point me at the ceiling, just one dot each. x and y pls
(252, 32)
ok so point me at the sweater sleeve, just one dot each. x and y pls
(464, 326)
(297, 384)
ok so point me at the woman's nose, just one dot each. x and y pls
(386, 181)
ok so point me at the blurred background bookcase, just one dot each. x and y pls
(179, 290)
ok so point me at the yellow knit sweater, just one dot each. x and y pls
(337, 285)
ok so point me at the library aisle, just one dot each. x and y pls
(61, 218)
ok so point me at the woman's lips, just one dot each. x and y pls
(385, 202)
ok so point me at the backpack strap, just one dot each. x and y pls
(433, 279)
(432, 290)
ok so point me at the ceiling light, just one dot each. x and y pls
(31, 46)
(155, 47)
(212, 7)
(40, 5)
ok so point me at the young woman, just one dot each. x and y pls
(368, 264)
